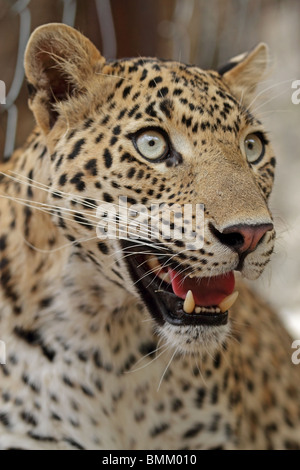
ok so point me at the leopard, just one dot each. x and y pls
(117, 336)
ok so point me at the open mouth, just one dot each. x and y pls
(174, 295)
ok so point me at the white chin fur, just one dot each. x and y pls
(193, 339)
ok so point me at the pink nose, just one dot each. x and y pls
(242, 238)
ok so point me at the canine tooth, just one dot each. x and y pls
(228, 302)
(189, 303)
(165, 277)
(197, 309)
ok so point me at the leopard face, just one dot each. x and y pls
(158, 133)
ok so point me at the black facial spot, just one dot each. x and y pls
(113, 140)
(177, 92)
(80, 219)
(195, 128)
(107, 158)
(126, 91)
(105, 120)
(131, 200)
(2, 242)
(29, 418)
(103, 248)
(127, 157)
(116, 130)
(62, 180)
(91, 166)
(88, 123)
(193, 431)
(76, 149)
(144, 75)
(133, 110)
(99, 138)
(133, 68)
(131, 172)
(162, 92)
(77, 181)
(157, 430)
(29, 188)
(87, 391)
(43, 153)
(4, 419)
(153, 83)
(107, 197)
(59, 162)
(33, 337)
(150, 109)
(200, 396)
(122, 114)
(46, 302)
(148, 349)
(186, 121)
(71, 134)
(166, 107)
(67, 381)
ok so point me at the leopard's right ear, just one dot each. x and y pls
(243, 73)
(59, 64)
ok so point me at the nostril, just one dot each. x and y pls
(234, 240)
(242, 238)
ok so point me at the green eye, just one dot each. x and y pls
(254, 148)
(151, 144)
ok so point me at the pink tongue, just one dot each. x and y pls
(207, 291)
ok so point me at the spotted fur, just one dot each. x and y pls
(87, 366)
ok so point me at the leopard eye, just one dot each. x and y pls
(254, 148)
(151, 144)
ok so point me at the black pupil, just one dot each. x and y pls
(151, 143)
(250, 145)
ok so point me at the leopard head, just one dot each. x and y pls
(132, 143)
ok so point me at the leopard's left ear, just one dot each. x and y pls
(243, 73)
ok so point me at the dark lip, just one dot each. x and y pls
(161, 302)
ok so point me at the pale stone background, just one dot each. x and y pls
(281, 282)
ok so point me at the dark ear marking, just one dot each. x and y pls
(226, 67)
(31, 90)
(243, 73)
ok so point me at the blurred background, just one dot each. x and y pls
(203, 32)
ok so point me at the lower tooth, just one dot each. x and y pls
(197, 310)
(228, 302)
